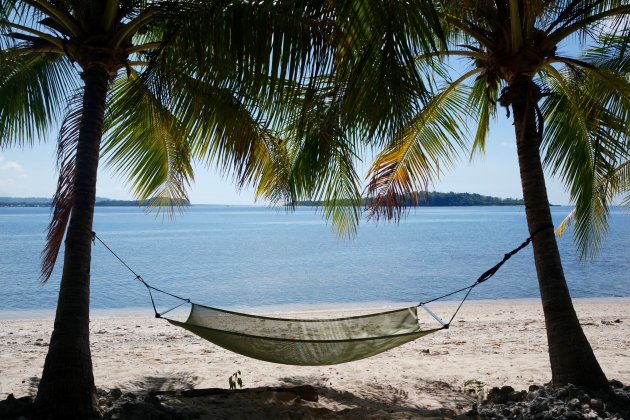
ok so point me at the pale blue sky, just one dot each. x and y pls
(32, 173)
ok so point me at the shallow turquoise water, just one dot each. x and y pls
(233, 256)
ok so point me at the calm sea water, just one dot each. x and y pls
(236, 256)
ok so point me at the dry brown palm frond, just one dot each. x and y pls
(391, 187)
(63, 199)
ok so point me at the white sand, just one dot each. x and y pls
(496, 342)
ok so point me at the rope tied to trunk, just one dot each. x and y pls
(487, 274)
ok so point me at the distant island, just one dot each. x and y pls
(449, 199)
(431, 199)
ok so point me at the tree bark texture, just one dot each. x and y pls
(571, 356)
(67, 386)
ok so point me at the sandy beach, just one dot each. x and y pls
(495, 342)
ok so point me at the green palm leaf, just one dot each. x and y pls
(265, 40)
(583, 141)
(33, 93)
(382, 86)
(220, 125)
(482, 107)
(615, 182)
(146, 143)
(273, 173)
(323, 159)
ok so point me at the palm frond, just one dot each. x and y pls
(382, 88)
(341, 191)
(222, 129)
(611, 52)
(566, 222)
(585, 21)
(19, 12)
(147, 144)
(63, 200)
(482, 108)
(612, 87)
(623, 186)
(612, 184)
(266, 41)
(585, 138)
(419, 153)
(33, 93)
(273, 172)
(323, 157)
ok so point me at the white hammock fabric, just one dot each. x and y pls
(305, 342)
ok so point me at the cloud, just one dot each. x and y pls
(11, 166)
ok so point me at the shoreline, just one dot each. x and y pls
(492, 343)
(288, 309)
(500, 342)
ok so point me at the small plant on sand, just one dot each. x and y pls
(235, 379)
(475, 388)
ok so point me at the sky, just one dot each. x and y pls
(31, 172)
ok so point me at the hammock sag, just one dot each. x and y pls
(311, 342)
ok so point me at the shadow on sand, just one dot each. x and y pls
(366, 401)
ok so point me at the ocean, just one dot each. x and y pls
(255, 257)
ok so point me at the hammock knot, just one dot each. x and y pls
(537, 231)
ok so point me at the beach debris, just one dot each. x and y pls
(548, 402)
(235, 379)
(475, 387)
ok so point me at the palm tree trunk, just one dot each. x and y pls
(67, 386)
(571, 356)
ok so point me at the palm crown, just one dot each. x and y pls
(582, 103)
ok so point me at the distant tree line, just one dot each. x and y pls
(449, 199)
(464, 199)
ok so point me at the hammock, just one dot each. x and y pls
(304, 342)
(311, 342)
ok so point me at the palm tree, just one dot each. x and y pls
(174, 91)
(570, 115)
(155, 85)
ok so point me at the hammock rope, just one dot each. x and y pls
(445, 325)
(487, 274)
(141, 280)
(310, 342)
